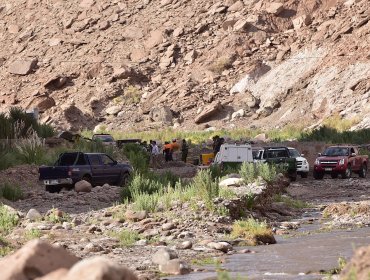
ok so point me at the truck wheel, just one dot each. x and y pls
(125, 179)
(334, 175)
(348, 173)
(363, 171)
(318, 175)
(304, 174)
(53, 188)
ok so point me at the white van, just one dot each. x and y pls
(234, 153)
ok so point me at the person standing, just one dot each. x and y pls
(184, 150)
(155, 149)
(167, 151)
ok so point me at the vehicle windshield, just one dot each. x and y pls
(294, 153)
(277, 153)
(336, 152)
(104, 138)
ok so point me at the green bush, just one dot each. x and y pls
(251, 171)
(208, 188)
(126, 237)
(31, 150)
(147, 202)
(8, 220)
(137, 156)
(10, 191)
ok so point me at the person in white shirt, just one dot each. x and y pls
(155, 149)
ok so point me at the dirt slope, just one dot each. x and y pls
(224, 64)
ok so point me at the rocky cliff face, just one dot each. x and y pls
(186, 63)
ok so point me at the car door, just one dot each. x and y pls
(97, 171)
(353, 159)
(112, 170)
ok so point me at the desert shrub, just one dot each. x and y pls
(132, 95)
(208, 188)
(31, 150)
(294, 203)
(8, 220)
(220, 65)
(5, 247)
(10, 191)
(32, 234)
(144, 201)
(137, 156)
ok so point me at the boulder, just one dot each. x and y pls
(237, 6)
(113, 110)
(235, 182)
(135, 215)
(301, 21)
(162, 114)
(359, 266)
(83, 186)
(208, 112)
(238, 114)
(220, 246)
(163, 255)
(263, 137)
(86, 4)
(58, 274)
(36, 259)
(56, 82)
(99, 268)
(240, 25)
(42, 103)
(155, 38)
(168, 226)
(185, 245)
(275, 8)
(33, 215)
(190, 56)
(22, 67)
(175, 267)
(13, 28)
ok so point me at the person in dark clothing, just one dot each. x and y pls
(216, 140)
(167, 151)
(184, 150)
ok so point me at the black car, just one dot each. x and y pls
(96, 168)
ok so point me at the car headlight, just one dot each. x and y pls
(341, 162)
(305, 162)
(317, 162)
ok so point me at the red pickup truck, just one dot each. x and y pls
(343, 160)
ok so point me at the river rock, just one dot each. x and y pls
(175, 267)
(33, 215)
(22, 67)
(83, 186)
(163, 255)
(135, 215)
(235, 182)
(220, 246)
(35, 259)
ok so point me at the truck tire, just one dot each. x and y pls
(125, 179)
(348, 173)
(53, 188)
(363, 171)
(304, 174)
(318, 175)
(334, 175)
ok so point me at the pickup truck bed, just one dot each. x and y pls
(96, 168)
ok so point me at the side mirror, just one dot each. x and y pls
(319, 154)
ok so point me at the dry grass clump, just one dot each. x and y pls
(343, 209)
(253, 232)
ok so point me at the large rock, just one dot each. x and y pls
(99, 268)
(155, 39)
(359, 266)
(33, 215)
(275, 8)
(163, 255)
(83, 186)
(301, 21)
(113, 110)
(161, 114)
(22, 67)
(42, 103)
(220, 246)
(235, 182)
(35, 259)
(237, 6)
(135, 215)
(56, 82)
(208, 112)
(175, 267)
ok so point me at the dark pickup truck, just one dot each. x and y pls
(343, 160)
(96, 168)
(279, 156)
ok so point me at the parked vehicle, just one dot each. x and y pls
(278, 156)
(343, 160)
(106, 139)
(234, 154)
(96, 168)
(303, 166)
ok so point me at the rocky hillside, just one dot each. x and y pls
(186, 63)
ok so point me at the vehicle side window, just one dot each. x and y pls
(67, 159)
(81, 160)
(94, 159)
(106, 160)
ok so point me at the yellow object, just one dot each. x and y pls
(207, 158)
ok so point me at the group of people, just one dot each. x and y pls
(217, 143)
(169, 149)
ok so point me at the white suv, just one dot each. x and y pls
(302, 164)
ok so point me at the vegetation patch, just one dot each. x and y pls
(343, 209)
(206, 261)
(126, 237)
(32, 234)
(250, 172)
(291, 202)
(5, 247)
(8, 220)
(253, 232)
(11, 191)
